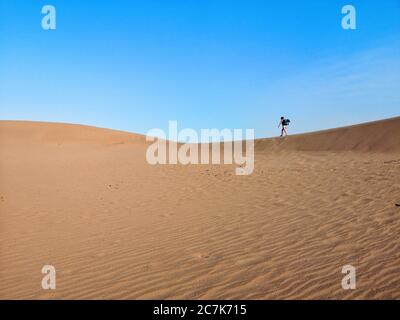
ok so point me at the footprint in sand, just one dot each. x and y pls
(100, 255)
(391, 161)
(205, 257)
(166, 215)
(113, 186)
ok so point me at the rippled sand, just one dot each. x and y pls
(85, 200)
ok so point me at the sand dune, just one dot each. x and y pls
(27, 132)
(377, 136)
(85, 200)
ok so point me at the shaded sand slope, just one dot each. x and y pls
(85, 200)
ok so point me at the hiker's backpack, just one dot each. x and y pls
(286, 122)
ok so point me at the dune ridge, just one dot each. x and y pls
(53, 132)
(376, 136)
(85, 200)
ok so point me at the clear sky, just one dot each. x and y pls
(135, 65)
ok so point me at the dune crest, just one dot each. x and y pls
(52, 132)
(377, 136)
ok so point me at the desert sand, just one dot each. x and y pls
(84, 200)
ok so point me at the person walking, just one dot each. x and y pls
(283, 123)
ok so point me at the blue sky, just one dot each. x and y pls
(135, 65)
